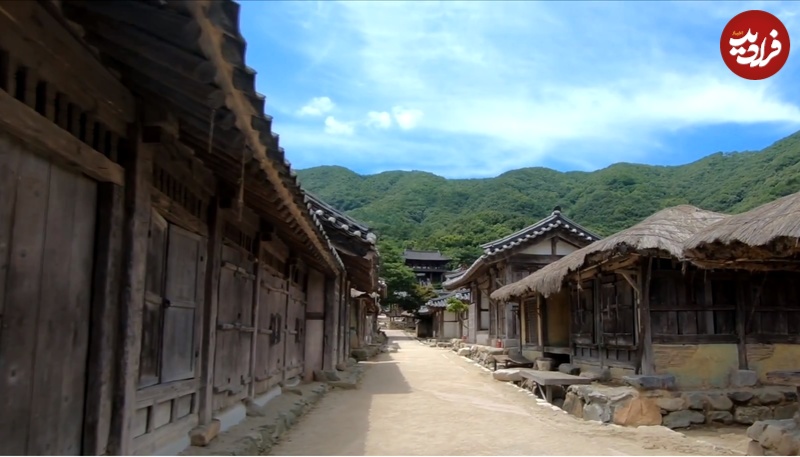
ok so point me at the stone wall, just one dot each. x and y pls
(626, 405)
(775, 437)
(483, 355)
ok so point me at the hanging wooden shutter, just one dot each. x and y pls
(149, 361)
(185, 273)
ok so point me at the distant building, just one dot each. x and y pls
(429, 266)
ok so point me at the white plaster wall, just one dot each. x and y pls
(564, 248)
(543, 247)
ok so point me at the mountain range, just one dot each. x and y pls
(417, 209)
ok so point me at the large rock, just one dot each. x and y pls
(569, 368)
(360, 355)
(696, 400)
(780, 437)
(573, 404)
(740, 396)
(724, 417)
(785, 411)
(744, 378)
(769, 397)
(507, 375)
(597, 412)
(683, 419)
(650, 382)
(611, 396)
(638, 411)
(751, 414)
(464, 352)
(720, 402)
(754, 448)
(671, 403)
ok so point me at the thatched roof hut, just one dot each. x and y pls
(665, 232)
(769, 233)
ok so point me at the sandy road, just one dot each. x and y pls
(429, 401)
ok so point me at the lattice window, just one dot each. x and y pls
(235, 235)
(179, 192)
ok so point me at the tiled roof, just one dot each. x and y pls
(556, 221)
(441, 301)
(410, 254)
(335, 219)
(147, 43)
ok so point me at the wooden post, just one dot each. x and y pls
(539, 321)
(741, 322)
(104, 318)
(259, 275)
(329, 339)
(648, 355)
(285, 329)
(138, 175)
(210, 309)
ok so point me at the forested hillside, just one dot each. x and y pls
(421, 210)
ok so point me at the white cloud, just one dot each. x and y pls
(334, 127)
(379, 119)
(521, 102)
(317, 107)
(406, 118)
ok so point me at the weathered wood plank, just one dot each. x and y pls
(24, 276)
(176, 213)
(210, 310)
(137, 208)
(151, 395)
(73, 389)
(50, 141)
(54, 327)
(42, 43)
(9, 164)
(103, 343)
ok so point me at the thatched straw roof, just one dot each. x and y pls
(665, 232)
(771, 230)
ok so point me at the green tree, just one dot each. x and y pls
(460, 308)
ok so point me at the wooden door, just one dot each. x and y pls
(185, 272)
(234, 324)
(47, 224)
(276, 305)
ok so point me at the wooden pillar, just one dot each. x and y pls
(329, 339)
(741, 320)
(648, 355)
(259, 276)
(138, 175)
(104, 318)
(539, 320)
(210, 309)
(285, 330)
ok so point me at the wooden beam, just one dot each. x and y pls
(104, 317)
(139, 168)
(648, 356)
(40, 41)
(210, 310)
(147, 48)
(50, 141)
(633, 284)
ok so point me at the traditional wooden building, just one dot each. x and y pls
(632, 303)
(760, 250)
(448, 324)
(507, 260)
(356, 245)
(429, 266)
(158, 258)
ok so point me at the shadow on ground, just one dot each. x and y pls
(316, 434)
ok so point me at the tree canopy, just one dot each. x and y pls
(423, 211)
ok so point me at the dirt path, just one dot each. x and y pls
(428, 401)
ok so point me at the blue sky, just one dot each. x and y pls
(472, 89)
